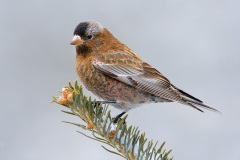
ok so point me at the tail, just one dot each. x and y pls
(194, 102)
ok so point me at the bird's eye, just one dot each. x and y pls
(89, 37)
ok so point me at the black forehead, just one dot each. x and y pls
(81, 29)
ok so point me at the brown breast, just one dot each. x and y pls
(86, 72)
(103, 86)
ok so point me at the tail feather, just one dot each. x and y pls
(202, 105)
(182, 93)
(194, 102)
(191, 105)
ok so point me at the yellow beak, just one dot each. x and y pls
(77, 41)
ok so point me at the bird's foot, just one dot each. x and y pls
(105, 102)
(115, 119)
(98, 103)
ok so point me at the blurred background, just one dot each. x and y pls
(193, 43)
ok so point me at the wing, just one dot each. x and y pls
(136, 73)
(130, 69)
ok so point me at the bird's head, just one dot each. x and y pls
(86, 32)
(92, 37)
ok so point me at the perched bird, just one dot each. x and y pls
(116, 74)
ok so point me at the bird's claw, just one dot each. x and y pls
(105, 102)
(98, 103)
(118, 117)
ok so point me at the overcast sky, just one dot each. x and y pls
(196, 44)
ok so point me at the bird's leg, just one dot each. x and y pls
(103, 102)
(115, 120)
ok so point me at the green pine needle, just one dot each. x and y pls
(126, 140)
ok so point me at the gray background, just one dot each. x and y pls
(194, 43)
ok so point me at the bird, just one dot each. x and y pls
(117, 75)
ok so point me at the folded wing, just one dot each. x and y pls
(138, 74)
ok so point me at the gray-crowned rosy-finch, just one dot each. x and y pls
(116, 74)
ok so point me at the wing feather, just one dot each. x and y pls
(135, 73)
(130, 69)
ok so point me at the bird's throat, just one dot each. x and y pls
(82, 50)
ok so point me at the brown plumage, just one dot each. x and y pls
(114, 72)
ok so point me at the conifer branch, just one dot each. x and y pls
(126, 140)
